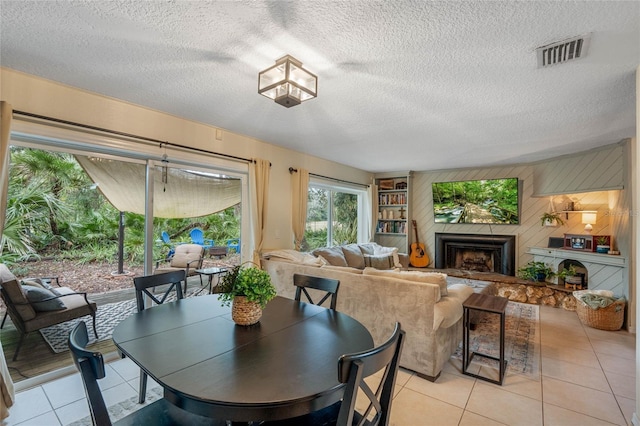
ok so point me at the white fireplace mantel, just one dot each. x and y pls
(604, 271)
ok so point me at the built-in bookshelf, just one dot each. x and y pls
(393, 211)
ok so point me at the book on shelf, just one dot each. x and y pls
(391, 227)
(390, 199)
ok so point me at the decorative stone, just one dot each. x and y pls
(533, 294)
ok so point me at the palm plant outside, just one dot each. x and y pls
(54, 209)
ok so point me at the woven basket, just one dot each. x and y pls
(609, 318)
(244, 312)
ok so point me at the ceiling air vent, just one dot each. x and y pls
(563, 51)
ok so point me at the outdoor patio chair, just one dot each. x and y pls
(32, 306)
(167, 240)
(187, 258)
(91, 367)
(234, 244)
(197, 237)
(327, 285)
(353, 369)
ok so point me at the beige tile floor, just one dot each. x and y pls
(587, 378)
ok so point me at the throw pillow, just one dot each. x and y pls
(333, 255)
(353, 255)
(32, 283)
(379, 262)
(368, 248)
(393, 251)
(37, 282)
(37, 295)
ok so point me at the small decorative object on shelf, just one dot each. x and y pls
(586, 242)
(401, 185)
(248, 289)
(386, 184)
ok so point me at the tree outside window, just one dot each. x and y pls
(332, 217)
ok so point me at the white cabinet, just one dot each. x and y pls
(604, 271)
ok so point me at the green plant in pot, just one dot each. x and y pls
(551, 219)
(603, 244)
(535, 271)
(247, 289)
(571, 277)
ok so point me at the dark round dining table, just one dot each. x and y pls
(283, 366)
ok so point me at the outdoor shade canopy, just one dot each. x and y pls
(287, 82)
(185, 194)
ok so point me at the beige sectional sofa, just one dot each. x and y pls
(429, 311)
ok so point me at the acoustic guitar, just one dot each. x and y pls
(418, 257)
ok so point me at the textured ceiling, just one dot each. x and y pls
(403, 85)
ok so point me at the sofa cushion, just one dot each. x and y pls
(416, 276)
(383, 261)
(37, 297)
(353, 256)
(187, 255)
(346, 269)
(333, 255)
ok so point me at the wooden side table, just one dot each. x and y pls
(483, 303)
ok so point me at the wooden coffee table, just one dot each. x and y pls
(483, 303)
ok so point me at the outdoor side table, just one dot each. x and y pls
(212, 272)
(483, 303)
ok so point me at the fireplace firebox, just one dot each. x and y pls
(476, 252)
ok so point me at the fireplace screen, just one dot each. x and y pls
(476, 252)
(473, 260)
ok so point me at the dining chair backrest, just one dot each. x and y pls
(328, 285)
(91, 367)
(354, 368)
(173, 279)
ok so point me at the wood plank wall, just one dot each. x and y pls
(529, 233)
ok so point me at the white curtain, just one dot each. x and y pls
(6, 113)
(299, 196)
(372, 192)
(7, 395)
(259, 171)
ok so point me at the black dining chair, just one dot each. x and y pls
(328, 285)
(173, 280)
(91, 367)
(352, 370)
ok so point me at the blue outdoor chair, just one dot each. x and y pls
(167, 240)
(197, 237)
(234, 244)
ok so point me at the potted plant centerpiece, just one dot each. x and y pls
(535, 271)
(248, 289)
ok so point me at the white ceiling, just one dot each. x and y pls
(403, 85)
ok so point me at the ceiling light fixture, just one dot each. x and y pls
(287, 82)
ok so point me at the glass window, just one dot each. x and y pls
(334, 216)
